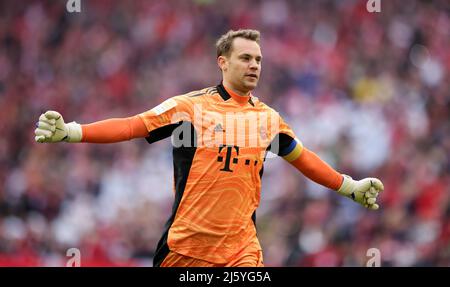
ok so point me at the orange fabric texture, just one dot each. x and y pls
(114, 130)
(250, 256)
(223, 187)
(236, 97)
(317, 170)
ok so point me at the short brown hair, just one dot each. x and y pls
(224, 43)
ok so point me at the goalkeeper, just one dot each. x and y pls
(217, 178)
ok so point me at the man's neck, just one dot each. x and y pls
(228, 86)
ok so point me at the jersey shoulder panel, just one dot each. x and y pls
(201, 95)
(173, 110)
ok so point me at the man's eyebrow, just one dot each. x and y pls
(248, 55)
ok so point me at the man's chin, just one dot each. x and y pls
(251, 86)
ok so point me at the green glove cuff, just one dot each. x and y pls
(347, 187)
(74, 133)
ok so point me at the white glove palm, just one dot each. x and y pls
(364, 191)
(51, 128)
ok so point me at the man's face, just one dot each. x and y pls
(242, 67)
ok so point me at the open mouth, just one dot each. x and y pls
(252, 76)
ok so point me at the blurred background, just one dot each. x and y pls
(368, 92)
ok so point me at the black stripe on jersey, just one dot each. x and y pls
(211, 91)
(193, 94)
(182, 162)
(161, 133)
(284, 142)
(222, 92)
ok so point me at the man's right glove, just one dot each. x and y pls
(363, 191)
(51, 128)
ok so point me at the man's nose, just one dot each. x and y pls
(254, 65)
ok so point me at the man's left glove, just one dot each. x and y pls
(51, 128)
(363, 191)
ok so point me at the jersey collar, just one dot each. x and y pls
(226, 94)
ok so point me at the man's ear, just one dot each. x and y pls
(222, 62)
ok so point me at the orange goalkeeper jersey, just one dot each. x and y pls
(220, 144)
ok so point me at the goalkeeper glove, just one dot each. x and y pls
(51, 128)
(363, 191)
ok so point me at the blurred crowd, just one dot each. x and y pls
(368, 92)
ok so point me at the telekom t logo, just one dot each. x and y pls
(228, 157)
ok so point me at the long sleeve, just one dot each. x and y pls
(313, 167)
(114, 130)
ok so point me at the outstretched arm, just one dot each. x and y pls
(313, 167)
(114, 130)
(364, 191)
(52, 128)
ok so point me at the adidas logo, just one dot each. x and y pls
(219, 128)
